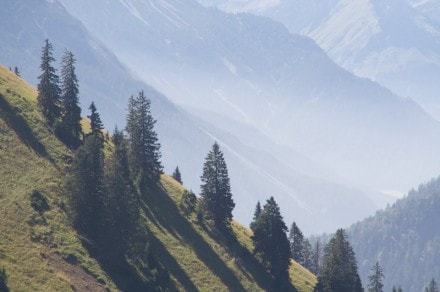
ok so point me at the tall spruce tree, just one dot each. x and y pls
(375, 279)
(257, 214)
(86, 183)
(296, 239)
(71, 111)
(122, 198)
(316, 258)
(339, 269)
(177, 176)
(432, 286)
(216, 190)
(143, 143)
(48, 88)
(271, 243)
(96, 125)
(307, 255)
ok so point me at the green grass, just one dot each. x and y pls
(31, 158)
(199, 257)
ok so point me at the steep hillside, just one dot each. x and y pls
(404, 238)
(41, 252)
(199, 257)
(35, 248)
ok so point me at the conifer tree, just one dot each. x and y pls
(216, 190)
(271, 243)
(375, 279)
(339, 269)
(96, 125)
(316, 258)
(122, 198)
(177, 176)
(257, 214)
(48, 88)
(3, 281)
(16, 71)
(86, 182)
(307, 255)
(71, 111)
(296, 239)
(143, 143)
(399, 289)
(432, 286)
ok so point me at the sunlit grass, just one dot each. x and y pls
(181, 247)
(31, 158)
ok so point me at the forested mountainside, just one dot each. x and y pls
(41, 251)
(404, 238)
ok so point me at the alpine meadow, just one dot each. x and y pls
(219, 145)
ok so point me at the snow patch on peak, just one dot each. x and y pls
(130, 7)
(391, 59)
(423, 24)
(169, 12)
(231, 67)
(349, 28)
(417, 3)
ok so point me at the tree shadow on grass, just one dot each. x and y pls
(247, 262)
(168, 261)
(167, 214)
(115, 265)
(16, 122)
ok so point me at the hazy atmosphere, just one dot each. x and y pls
(330, 107)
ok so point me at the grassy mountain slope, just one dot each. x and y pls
(41, 252)
(33, 246)
(199, 257)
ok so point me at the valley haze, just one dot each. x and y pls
(330, 146)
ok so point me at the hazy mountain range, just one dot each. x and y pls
(255, 172)
(395, 43)
(252, 70)
(293, 124)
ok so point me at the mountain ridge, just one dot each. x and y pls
(391, 42)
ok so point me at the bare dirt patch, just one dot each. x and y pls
(75, 275)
